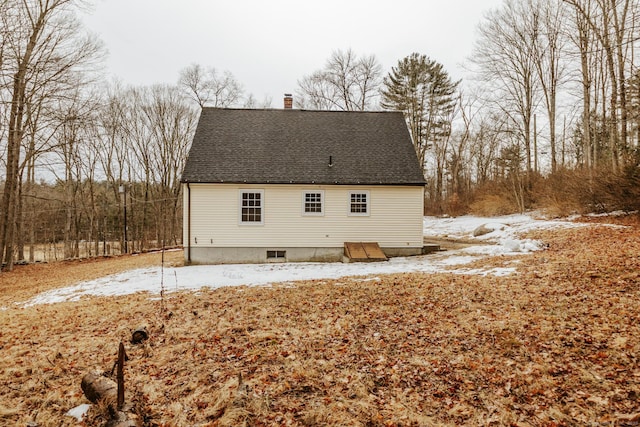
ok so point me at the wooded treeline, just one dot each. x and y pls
(76, 151)
(548, 116)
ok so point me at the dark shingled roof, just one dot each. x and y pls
(295, 146)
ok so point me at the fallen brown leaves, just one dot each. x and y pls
(556, 344)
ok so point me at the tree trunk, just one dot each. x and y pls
(619, 28)
(14, 140)
(20, 222)
(586, 95)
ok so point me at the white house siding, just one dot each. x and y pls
(395, 219)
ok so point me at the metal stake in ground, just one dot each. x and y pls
(120, 376)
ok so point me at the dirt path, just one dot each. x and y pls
(453, 244)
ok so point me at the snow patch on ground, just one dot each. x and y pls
(504, 227)
(503, 240)
(79, 412)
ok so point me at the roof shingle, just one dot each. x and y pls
(296, 146)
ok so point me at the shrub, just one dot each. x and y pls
(583, 191)
(493, 205)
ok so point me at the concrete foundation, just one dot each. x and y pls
(202, 255)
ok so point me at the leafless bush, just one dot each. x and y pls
(492, 199)
(582, 191)
(560, 194)
(492, 205)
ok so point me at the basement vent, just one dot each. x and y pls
(276, 255)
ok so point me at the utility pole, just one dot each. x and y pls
(564, 130)
(123, 191)
(535, 143)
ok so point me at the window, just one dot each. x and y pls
(251, 203)
(312, 202)
(277, 255)
(359, 203)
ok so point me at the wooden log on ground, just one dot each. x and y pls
(139, 335)
(97, 387)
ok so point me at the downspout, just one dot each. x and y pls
(188, 224)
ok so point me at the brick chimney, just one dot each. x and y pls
(288, 101)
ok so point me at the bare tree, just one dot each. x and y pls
(548, 42)
(459, 153)
(316, 92)
(251, 102)
(144, 136)
(74, 149)
(140, 141)
(114, 133)
(42, 50)
(505, 59)
(611, 22)
(347, 82)
(485, 147)
(209, 88)
(583, 39)
(170, 124)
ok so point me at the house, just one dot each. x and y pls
(295, 185)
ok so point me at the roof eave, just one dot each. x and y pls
(278, 182)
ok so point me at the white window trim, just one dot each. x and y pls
(368, 212)
(304, 194)
(262, 210)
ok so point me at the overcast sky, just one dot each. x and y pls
(268, 45)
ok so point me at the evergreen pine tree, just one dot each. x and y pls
(423, 90)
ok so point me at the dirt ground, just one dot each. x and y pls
(556, 344)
